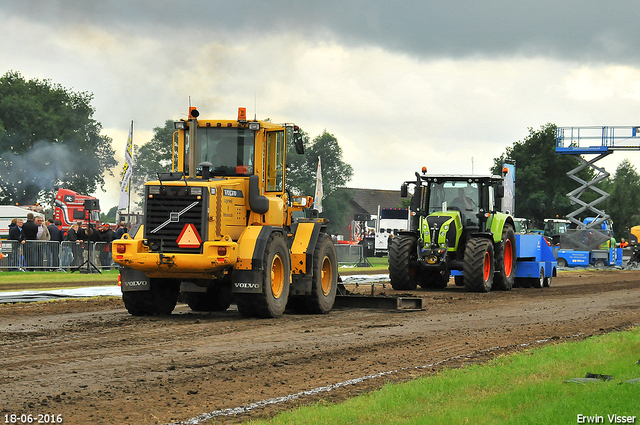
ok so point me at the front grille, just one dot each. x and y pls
(166, 217)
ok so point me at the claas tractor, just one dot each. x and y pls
(222, 227)
(456, 229)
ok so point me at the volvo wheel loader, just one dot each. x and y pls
(220, 228)
(455, 228)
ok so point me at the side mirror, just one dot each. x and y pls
(404, 191)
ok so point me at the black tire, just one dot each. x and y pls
(562, 262)
(478, 267)
(403, 272)
(505, 260)
(276, 280)
(435, 279)
(324, 284)
(217, 298)
(160, 300)
(547, 282)
(458, 280)
(599, 264)
(538, 283)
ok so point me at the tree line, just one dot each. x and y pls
(49, 139)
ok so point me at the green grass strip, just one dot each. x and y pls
(57, 277)
(523, 388)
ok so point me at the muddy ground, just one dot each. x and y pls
(93, 363)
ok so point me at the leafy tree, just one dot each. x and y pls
(623, 205)
(301, 175)
(541, 180)
(48, 139)
(152, 157)
(109, 217)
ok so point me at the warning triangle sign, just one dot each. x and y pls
(189, 237)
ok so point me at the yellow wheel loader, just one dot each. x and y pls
(220, 228)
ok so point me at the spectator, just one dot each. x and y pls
(76, 249)
(55, 234)
(30, 231)
(623, 243)
(42, 249)
(120, 230)
(16, 234)
(106, 237)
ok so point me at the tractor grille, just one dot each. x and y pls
(166, 217)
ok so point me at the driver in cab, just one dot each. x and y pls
(462, 201)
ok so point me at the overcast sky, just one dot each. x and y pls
(401, 84)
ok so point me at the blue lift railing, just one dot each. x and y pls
(602, 141)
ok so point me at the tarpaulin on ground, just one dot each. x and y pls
(31, 296)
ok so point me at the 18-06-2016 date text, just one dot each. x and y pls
(29, 418)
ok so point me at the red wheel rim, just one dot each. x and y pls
(508, 257)
(487, 265)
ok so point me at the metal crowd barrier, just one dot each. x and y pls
(50, 256)
(349, 254)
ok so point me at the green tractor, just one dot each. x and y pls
(455, 225)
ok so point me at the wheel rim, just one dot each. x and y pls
(508, 257)
(541, 278)
(326, 275)
(487, 266)
(277, 276)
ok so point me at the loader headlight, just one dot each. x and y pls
(154, 190)
(180, 125)
(255, 126)
(196, 190)
(432, 259)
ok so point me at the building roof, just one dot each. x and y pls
(367, 200)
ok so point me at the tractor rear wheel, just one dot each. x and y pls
(276, 280)
(159, 300)
(403, 272)
(325, 277)
(478, 267)
(506, 260)
(435, 279)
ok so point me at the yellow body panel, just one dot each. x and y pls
(246, 245)
(299, 248)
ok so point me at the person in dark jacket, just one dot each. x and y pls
(120, 230)
(72, 236)
(53, 253)
(106, 237)
(30, 231)
(16, 234)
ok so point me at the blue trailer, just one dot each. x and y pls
(535, 263)
(598, 258)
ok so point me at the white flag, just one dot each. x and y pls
(319, 194)
(123, 202)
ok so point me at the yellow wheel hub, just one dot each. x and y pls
(326, 275)
(277, 276)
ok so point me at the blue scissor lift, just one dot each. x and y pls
(599, 141)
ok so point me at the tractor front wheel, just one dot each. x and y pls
(403, 272)
(478, 267)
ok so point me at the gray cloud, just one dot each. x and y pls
(576, 30)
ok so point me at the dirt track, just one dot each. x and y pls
(93, 363)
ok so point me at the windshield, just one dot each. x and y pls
(460, 196)
(229, 150)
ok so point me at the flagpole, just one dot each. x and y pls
(129, 185)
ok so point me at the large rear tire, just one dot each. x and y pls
(159, 300)
(217, 298)
(403, 273)
(506, 260)
(325, 277)
(478, 267)
(276, 280)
